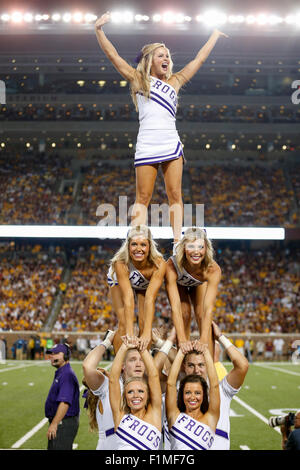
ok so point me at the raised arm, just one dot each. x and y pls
(213, 413)
(94, 378)
(237, 375)
(114, 384)
(185, 74)
(154, 386)
(128, 72)
(172, 410)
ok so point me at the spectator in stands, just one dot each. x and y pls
(278, 344)
(269, 350)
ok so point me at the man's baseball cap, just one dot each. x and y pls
(57, 348)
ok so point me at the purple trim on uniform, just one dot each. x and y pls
(221, 433)
(149, 162)
(164, 101)
(131, 437)
(129, 442)
(161, 104)
(187, 437)
(172, 155)
(166, 434)
(110, 432)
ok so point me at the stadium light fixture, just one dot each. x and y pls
(122, 17)
(156, 18)
(77, 17)
(28, 17)
(67, 17)
(90, 17)
(250, 19)
(5, 17)
(17, 17)
(214, 18)
(128, 17)
(261, 19)
(179, 18)
(139, 18)
(120, 232)
(56, 17)
(168, 17)
(274, 20)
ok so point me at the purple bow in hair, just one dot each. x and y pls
(138, 58)
(85, 395)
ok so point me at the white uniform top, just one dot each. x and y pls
(135, 434)
(222, 438)
(158, 140)
(158, 112)
(188, 433)
(137, 280)
(183, 277)
(107, 437)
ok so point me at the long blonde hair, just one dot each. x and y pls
(142, 80)
(123, 253)
(190, 235)
(92, 402)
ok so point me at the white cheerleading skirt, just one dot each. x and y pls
(157, 146)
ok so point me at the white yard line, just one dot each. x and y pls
(29, 434)
(21, 366)
(42, 423)
(275, 368)
(255, 412)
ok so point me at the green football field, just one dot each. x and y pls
(269, 389)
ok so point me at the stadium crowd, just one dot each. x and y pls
(262, 299)
(232, 195)
(30, 190)
(29, 281)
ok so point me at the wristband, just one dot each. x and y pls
(159, 343)
(106, 343)
(226, 343)
(166, 347)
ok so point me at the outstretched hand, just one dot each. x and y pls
(199, 346)
(143, 342)
(131, 342)
(105, 18)
(186, 347)
(220, 34)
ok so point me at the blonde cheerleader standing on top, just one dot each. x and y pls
(154, 90)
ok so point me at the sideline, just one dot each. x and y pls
(256, 413)
(41, 424)
(275, 368)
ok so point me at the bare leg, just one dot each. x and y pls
(197, 296)
(145, 181)
(118, 306)
(186, 310)
(173, 177)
